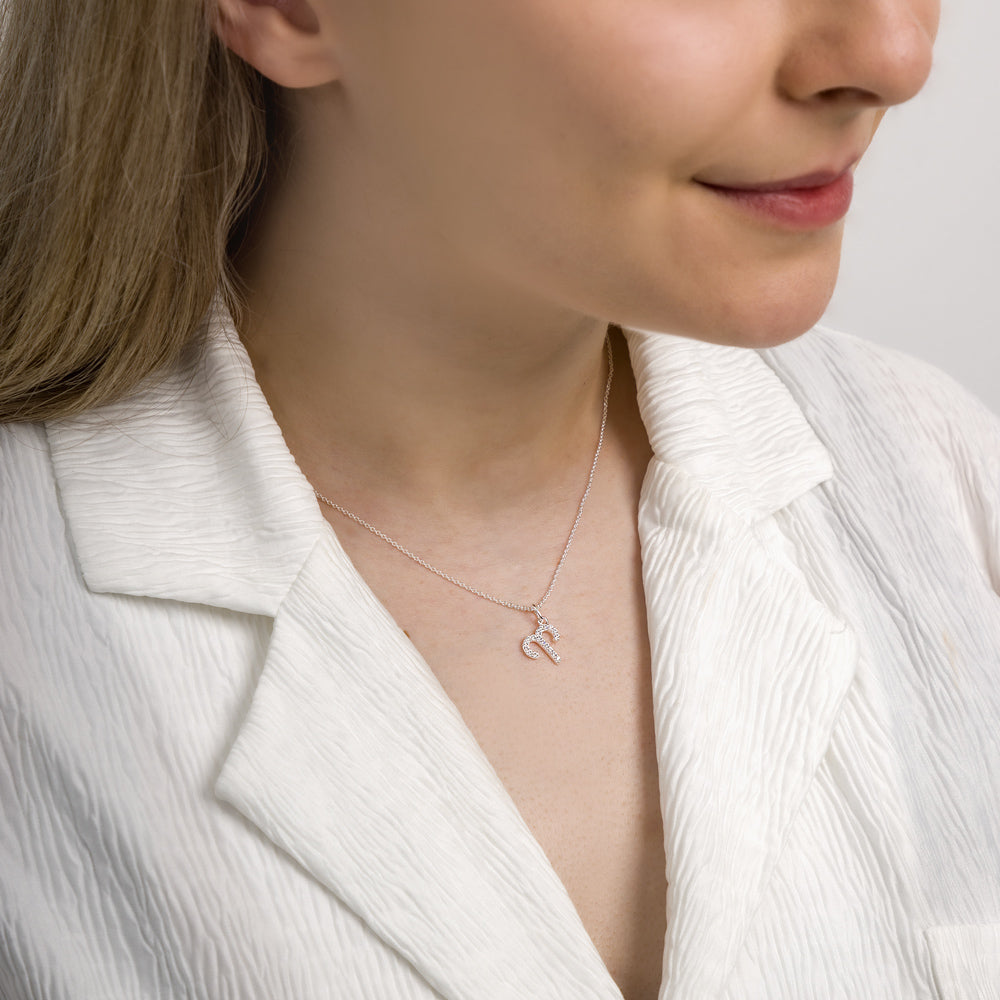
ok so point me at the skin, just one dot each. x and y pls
(477, 188)
(472, 192)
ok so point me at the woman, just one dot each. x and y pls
(633, 664)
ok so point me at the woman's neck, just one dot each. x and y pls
(397, 366)
(383, 408)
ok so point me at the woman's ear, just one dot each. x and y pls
(289, 41)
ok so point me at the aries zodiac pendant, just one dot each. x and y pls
(537, 638)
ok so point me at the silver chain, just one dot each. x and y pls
(513, 605)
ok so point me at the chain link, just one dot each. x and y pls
(512, 605)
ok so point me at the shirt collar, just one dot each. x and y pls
(187, 490)
(724, 417)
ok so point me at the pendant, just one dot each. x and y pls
(537, 638)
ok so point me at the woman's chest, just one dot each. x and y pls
(573, 743)
(581, 767)
(571, 739)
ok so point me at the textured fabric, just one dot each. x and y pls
(958, 977)
(225, 772)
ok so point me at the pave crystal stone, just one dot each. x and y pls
(538, 638)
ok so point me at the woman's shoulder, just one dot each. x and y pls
(872, 374)
(40, 586)
(33, 543)
(26, 480)
(902, 435)
(848, 386)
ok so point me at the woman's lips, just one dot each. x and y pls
(802, 203)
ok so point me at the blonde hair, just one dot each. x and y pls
(132, 143)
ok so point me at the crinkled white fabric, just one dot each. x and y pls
(966, 961)
(226, 773)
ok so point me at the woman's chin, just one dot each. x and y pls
(750, 299)
(772, 327)
(760, 322)
(766, 314)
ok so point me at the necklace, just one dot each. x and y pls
(544, 628)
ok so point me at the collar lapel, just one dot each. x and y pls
(187, 491)
(353, 760)
(749, 668)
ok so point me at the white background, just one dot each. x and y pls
(921, 266)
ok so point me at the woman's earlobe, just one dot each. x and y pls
(287, 41)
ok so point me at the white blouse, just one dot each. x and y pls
(225, 772)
